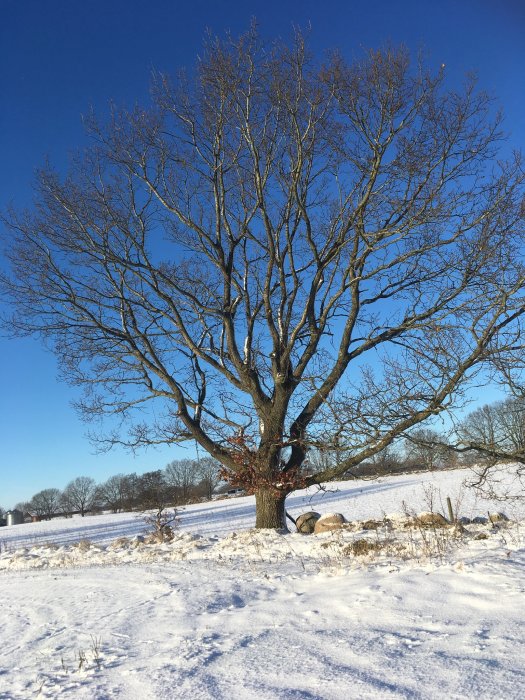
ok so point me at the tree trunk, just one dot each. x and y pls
(269, 510)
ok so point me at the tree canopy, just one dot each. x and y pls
(279, 253)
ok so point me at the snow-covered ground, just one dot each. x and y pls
(90, 611)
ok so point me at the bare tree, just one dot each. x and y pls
(494, 433)
(386, 461)
(491, 440)
(45, 504)
(112, 493)
(131, 487)
(498, 427)
(326, 456)
(320, 459)
(23, 507)
(426, 447)
(279, 255)
(182, 475)
(208, 474)
(80, 495)
(155, 492)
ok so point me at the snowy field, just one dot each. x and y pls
(91, 611)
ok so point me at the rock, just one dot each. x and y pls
(482, 536)
(480, 520)
(431, 520)
(305, 523)
(464, 521)
(329, 522)
(498, 518)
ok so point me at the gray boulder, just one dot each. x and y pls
(305, 523)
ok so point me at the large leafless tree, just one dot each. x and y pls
(279, 254)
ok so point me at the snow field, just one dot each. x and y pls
(225, 613)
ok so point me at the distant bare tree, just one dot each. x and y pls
(23, 507)
(327, 457)
(131, 487)
(279, 254)
(66, 505)
(496, 432)
(207, 472)
(155, 492)
(182, 475)
(320, 459)
(112, 492)
(426, 447)
(80, 495)
(498, 428)
(491, 440)
(387, 461)
(45, 504)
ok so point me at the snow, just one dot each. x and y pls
(90, 610)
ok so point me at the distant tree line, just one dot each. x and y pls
(182, 481)
(423, 449)
(185, 481)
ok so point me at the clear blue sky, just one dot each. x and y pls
(59, 57)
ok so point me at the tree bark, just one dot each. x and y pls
(269, 510)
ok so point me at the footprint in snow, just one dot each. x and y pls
(223, 604)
